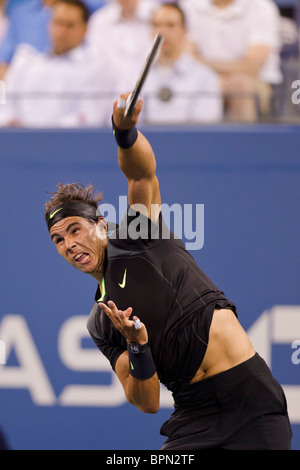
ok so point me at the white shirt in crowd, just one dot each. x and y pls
(70, 90)
(127, 41)
(225, 34)
(188, 92)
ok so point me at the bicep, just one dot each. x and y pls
(144, 196)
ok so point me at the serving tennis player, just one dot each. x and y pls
(158, 318)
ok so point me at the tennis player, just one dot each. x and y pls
(158, 318)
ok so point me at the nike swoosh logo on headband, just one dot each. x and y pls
(55, 212)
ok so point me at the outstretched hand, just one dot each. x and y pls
(121, 321)
(131, 120)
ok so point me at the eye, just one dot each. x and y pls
(58, 240)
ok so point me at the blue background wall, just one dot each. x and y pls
(248, 180)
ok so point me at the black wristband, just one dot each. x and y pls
(141, 364)
(124, 138)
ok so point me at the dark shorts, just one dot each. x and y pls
(240, 409)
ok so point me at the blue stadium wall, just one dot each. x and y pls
(56, 390)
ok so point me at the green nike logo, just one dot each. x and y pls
(131, 366)
(55, 212)
(123, 284)
(103, 290)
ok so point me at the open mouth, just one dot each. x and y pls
(82, 258)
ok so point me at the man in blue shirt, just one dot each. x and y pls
(29, 24)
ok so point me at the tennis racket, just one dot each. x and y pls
(133, 97)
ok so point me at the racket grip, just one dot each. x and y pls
(130, 104)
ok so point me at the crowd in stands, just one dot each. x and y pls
(64, 61)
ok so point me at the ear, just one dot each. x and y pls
(102, 223)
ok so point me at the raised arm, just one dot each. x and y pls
(137, 161)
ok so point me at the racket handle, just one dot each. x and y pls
(130, 104)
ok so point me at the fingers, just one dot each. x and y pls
(122, 313)
(133, 330)
(118, 112)
(114, 313)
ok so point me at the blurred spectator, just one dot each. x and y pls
(3, 28)
(28, 25)
(92, 5)
(240, 40)
(65, 88)
(3, 19)
(179, 89)
(122, 28)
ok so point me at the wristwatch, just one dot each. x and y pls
(136, 348)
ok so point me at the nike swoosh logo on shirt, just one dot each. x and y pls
(123, 284)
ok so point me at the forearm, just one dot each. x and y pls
(136, 157)
(251, 64)
(144, 394)
(135, 367)
(241, 66)
(138, 162)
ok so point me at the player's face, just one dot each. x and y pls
(81, 243)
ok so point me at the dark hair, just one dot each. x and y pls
(73, 192)
(79, 4)
(176, 7)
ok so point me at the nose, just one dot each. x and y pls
(70, 244)
(61, 29)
